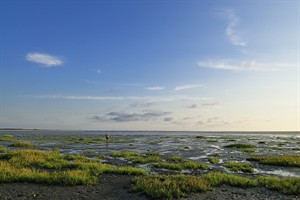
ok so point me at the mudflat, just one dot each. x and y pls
(250, 155)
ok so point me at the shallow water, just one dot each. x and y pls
(183, 144)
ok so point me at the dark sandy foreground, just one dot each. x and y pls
(117, 187)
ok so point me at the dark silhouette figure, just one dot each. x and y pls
(106, 136)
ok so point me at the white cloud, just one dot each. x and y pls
(242, 65)
(45, 59)
(188, 87)
(231, 29)
(155, 88)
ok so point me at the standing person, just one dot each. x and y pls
(107, 136)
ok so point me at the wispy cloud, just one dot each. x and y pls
(122, 116)
(155, 88)
(232, 32)
(242, 65)
(44, 59)
(144, 98)
(141, 105)
(207, 121)
(188, 87)
(98, 71)
(81, 97)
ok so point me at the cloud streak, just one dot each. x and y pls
(130, 117)
(120, 98)
(44, 59)
(188, 87)
(155, 88)
(231, 30)
(246, 65)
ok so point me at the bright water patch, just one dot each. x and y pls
(278, 172)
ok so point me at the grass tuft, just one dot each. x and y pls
(292, 160)
(125, 154)
(33, 166)
(239, 166)
(283, 185)
(22, 144)
(213, 160)
(3, 149)
(177, 186)
(240, 146)
(179, 166)
(175, 159)
(218, 178)
(143, 160)
(6, 137)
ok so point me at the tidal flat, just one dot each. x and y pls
(149, 165)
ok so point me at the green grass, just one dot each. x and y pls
(248, 151)
(283, 185)
(240, 146)
(6, 137)
(179, 186)
(89, 151)
(34, 166)
(175, 159)
(179, 166)
(136, 157)
(146, 159)
(218, 178)
(166, 165)
(11, 173)
(80, 158)
(239, 166)
(98, 169)
(27, 157)
(3, 149)
(159, 186)
(22, 144)
(292, 160)
(213, 160)
(125, 154)
(194, 165)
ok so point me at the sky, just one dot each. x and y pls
(195, 65)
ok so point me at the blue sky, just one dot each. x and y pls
(150, 65)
